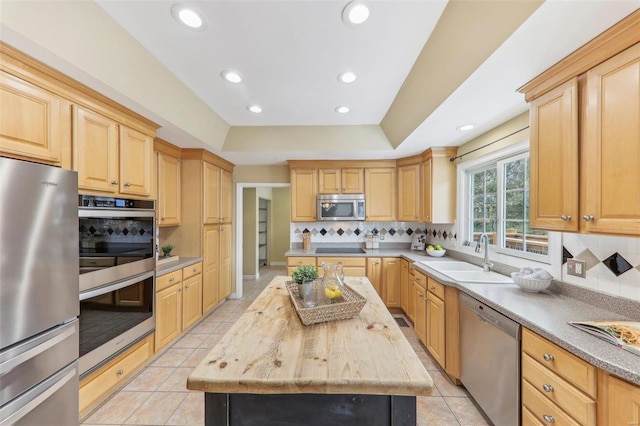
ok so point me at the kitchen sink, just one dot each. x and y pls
(467, 272)
(478, 277)
(450, 266)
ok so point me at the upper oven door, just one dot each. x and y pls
(114, 244)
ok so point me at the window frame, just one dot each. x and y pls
(465, 243)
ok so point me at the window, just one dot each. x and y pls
(498, 205)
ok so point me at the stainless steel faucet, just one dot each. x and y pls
(486, 265)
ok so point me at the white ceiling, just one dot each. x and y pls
(290, 52)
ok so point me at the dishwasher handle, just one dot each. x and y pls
(491, 316)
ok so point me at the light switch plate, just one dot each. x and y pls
(577, 268)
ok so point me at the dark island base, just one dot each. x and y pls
(308, 409)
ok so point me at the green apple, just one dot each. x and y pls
(429, 247)
(438, 247)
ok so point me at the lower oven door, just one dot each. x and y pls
(114, 316)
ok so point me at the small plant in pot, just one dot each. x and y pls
(166, 249)
(304, 276)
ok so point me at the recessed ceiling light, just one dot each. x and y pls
(256, 109)
(356, 12)
(342, 109)
(231, 76)
(188, 16)
(465, 127)
(347, 77)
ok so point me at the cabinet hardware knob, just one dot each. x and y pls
(120, 372)
(547, 388)
(162, 218)
(127, 184)
(179, 290)
(588, 218)
(171, 280)
(186, 287)
(432, 288)
(549, 419)
(565, 218)
(114, 182)
(548, 357)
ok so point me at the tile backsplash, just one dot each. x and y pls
(354, 232)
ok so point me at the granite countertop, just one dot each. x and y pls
(547, 313)
(269, 351)
(173, 265)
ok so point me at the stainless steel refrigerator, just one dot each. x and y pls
(38, 294)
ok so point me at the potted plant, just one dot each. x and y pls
(304, 276)
(166, 249)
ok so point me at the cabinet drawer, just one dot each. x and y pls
(577, 371)
(116, 371)
(575, 403)
(421, 280)
(435, 287)
(528, 419)
(167, 280)
(542, 409)
(298, 261)
(355, 271)
(346, 261)
(191, 270)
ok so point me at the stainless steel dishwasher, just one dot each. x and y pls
(490, 360)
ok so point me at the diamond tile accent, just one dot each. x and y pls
(444, 235)
(435, 234)
(357, 231)
(92, 230)
(392, 231)
(383, 231)
(409, 231)
(125, 231)
(323, 232)
(134, 231)
(566, 254)
(588, 257)
(349, 231)
(400, 231)
(332, 231)
(617, 264)
(118, 231)
(315, 232)
(340, 231)
(142, 232)
(297, 231)
(374, 231)
(110, 231)
(305, 231)
(440, 234)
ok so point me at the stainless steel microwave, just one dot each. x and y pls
(341, 207)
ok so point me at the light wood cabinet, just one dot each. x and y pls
(420, 316)
(97, 385)
(211, 193)
(341, 181)
(391, 282)
(178, 302)
(435, 318)
(411, 296)
(611, 146)
(438, 184)
(374, 273)
(622, 401)
(168, 203)
(304, 190)
(225, 249)
(404, 286)
(553, 180)
(226, 196)
(294, 261)
(95, 151)
(409, 193)
(211, 268)
(557, 384)
(352, 266)
(35, 124)
(380, 193)
(110, 158)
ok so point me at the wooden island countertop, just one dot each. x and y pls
(269, 351)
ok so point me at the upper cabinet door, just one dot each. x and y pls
(553, 177)
(329, 181)
(352, 181)
(226, 196)
(95, 151)
(409, 193)
(211, 178)
(34, 123)
(611, 146)
(168, 190)
(136, 155)
(304, 189)
(380, 193)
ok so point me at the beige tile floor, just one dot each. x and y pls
(158, 394)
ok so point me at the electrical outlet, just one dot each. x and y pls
(577, 268)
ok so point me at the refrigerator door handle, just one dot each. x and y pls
(31, 405)
(12, 363)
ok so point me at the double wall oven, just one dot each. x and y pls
(117, 276)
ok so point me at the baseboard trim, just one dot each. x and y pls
(249, 277)
(277, 263)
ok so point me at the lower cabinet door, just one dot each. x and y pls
(168, 314)
(191, 300)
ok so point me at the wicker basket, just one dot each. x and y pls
(351, 304)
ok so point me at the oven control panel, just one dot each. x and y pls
(113, 203)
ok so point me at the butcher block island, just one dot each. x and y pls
(270, 369)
